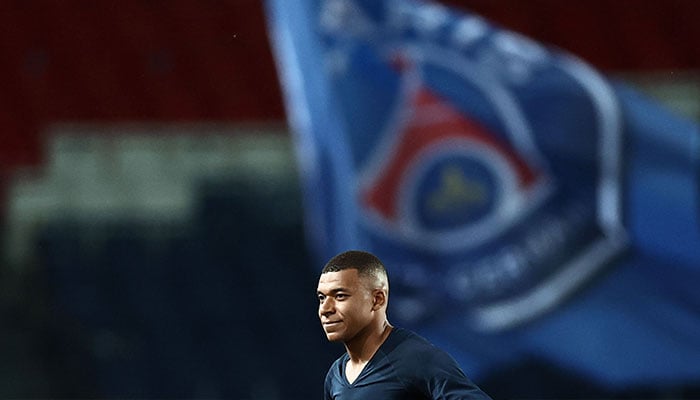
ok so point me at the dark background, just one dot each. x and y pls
(218, 303)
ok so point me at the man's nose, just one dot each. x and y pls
(326, 307)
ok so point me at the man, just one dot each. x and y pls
(381, 361)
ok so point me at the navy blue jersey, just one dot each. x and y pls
(405, 367)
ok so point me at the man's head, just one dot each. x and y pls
(353, 291)
(368, 266)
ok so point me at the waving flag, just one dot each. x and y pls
(524, 205)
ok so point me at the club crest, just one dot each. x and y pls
(483, 163)
(446, 181)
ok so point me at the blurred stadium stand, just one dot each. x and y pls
(152, 241)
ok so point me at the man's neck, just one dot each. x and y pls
(363, 348)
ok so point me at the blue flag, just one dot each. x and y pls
(524, 205)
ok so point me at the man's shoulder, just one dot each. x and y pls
(408, 338)
(410, 346)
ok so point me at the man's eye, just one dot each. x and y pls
(321, 298)
(340, 296)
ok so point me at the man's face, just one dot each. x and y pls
(345, 304)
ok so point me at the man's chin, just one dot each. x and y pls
(333, 337)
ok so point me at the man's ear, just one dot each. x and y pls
(379, 297)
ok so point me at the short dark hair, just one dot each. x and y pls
(366, 264)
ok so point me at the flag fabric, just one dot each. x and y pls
(524, 204)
